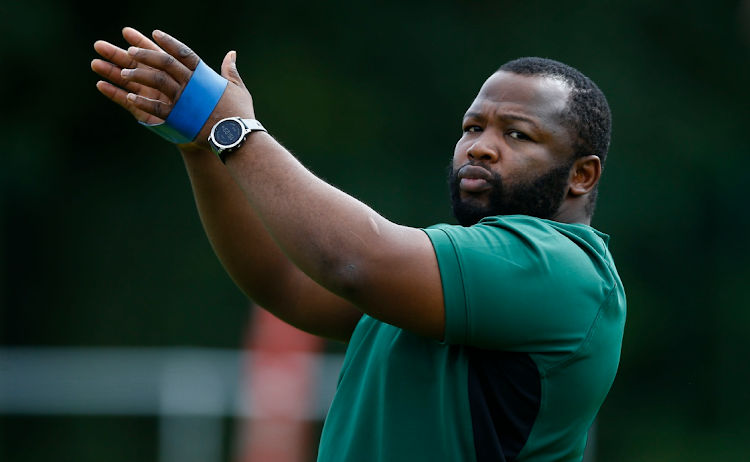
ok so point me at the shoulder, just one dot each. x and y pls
(517, 283)
(520, 250)
(520, 234)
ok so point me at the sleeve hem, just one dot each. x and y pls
(452, 280)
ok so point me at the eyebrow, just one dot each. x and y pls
(504, 117)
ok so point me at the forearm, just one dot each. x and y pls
(237, 236)
(252, 258)
(326, 233)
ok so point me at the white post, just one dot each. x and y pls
(192, 403)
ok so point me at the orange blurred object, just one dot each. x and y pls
(279, 382)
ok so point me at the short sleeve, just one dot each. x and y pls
(453, 288)
(520, 284)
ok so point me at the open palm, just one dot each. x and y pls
(115, 60)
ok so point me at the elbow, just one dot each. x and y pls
(347, 279)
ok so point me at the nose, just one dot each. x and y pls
(483, 149)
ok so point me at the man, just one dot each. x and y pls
(495, 340)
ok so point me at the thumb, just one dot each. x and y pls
(229, 69)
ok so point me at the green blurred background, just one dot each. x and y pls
(101, 246)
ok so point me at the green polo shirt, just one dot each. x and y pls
(535, 312)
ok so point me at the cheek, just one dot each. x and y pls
(529, 164)
(459, 152)
(522, 168)
(533, 157)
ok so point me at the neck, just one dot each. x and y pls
(573, 211)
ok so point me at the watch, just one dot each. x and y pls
(228, 134)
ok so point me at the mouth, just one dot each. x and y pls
(473, 179)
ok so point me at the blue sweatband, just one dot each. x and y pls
(193, 108)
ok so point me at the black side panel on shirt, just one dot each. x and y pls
(504, 397)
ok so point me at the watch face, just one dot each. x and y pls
(227, 132)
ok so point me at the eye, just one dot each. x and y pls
(472, 128)
(516, 135)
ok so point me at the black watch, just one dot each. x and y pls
(228, 134)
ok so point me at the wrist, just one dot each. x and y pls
(193, 148)
(229, 134)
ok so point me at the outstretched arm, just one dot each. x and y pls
(385, 270)
(243, 245)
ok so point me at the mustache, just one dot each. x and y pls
(471, 163)
(452, 171)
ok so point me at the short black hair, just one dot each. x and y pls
(587, 115)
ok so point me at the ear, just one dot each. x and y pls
(585, 175)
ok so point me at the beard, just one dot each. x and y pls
(540, 197)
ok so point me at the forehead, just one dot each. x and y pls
(542, 98)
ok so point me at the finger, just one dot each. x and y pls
(139, 40)
(113, 72)
(153, 107)
(155, 79)
(177, 49)
(162, 61)
(116, 55)
(229, 69)
(119, 96)
(118, 60)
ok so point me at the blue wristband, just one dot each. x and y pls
(193, 108)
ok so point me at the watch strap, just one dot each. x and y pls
(193, 108)
(253, 125)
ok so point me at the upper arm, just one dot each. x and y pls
(304, 304)
(398, 281)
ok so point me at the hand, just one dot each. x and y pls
(117, 59)
(157, 76)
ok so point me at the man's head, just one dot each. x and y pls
(535, 140)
